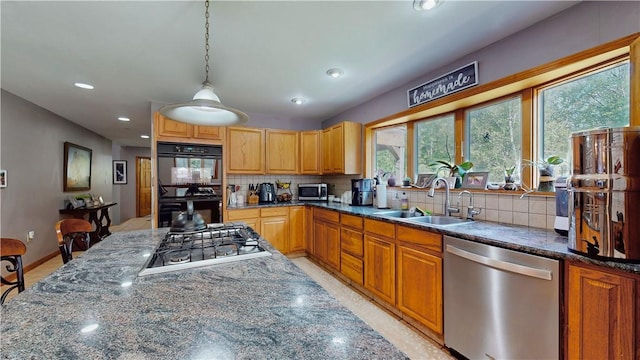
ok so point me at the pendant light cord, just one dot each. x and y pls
(206, 40)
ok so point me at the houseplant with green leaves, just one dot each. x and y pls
(454, 170)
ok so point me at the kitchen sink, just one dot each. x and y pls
(438, 220)
(397, 214)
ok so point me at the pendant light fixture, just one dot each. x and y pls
(205, 108)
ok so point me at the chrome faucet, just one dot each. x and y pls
(471, 211)
(447, 209)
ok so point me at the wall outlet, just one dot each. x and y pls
(30, 235)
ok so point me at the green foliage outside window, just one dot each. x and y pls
(434, 141)
(599, 99)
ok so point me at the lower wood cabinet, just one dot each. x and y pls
(380, 259)
(326, 237)
(274, 227)
(419, 276)
(420, 287)
(352, 248)
(297, 229)
(283, 227)
(602, 314)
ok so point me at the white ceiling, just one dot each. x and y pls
(263, 53)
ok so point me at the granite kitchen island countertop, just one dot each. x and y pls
(262, 308)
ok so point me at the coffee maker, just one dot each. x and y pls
(362, 192)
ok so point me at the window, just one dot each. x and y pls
(598, 99)
(434, 140)
(391, 151)
(494, 134)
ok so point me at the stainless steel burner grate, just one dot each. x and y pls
(217, 243)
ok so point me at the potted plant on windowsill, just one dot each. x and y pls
(454, 170)
(509, 179)
(545, 171)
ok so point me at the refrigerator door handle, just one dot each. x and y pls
(501, 265)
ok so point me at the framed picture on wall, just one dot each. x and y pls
(475, 180)
(119, 171)
(77, 167)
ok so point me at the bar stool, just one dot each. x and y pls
(11, 250)
(68, 231)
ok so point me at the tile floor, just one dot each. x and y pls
(398, 333)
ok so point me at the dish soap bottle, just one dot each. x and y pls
(404, 201)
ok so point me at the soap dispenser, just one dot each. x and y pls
(404, 201)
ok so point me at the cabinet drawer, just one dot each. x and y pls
(352, 268)
(236, 215)
(328, 215)
(351, 241)
(429, 240)
(380, 228)
(351, 221)
(274, 211)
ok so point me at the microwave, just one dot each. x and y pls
(312, 192)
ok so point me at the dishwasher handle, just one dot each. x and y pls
(501, 265)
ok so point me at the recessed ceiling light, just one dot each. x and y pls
(144, 136)
(421, 5)
(335, 73)
(297, 101)
(84, 86)
(122, 118)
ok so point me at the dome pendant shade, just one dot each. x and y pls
(205, 109)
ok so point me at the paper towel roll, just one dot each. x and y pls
(381, 195)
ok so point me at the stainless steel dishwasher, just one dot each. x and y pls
(499, 303)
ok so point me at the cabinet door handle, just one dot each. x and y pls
(501, 265)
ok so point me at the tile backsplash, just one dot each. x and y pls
(535, 211)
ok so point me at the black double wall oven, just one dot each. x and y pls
(189, 172)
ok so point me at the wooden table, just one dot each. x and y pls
(102, 229)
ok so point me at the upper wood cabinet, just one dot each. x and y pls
(342, 149)
(282, 151)
(245, 150)
(310, 150)
(602, 314)
(168, 129)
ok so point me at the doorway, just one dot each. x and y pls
(143, 186)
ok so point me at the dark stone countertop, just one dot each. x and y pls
(530, 240)
(262, 308)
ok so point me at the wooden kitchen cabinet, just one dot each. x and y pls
(171, 130)
(352, 248)
(282, 151)
(326, 237)
(250, 216)
(277, 225)
(380, 259)
(602, 314)
(419, 276)
(297, 229)
(245, 150)
(309, 230)
(309, 154)
(274, 227)
(342, 149)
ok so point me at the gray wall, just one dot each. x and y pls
(578, 28)
(127, 193)
(32, 150)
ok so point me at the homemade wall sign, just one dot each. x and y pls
(77, 167)
(444, 85)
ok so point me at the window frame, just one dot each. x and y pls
(525, 84)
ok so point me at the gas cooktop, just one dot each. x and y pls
(218, 243)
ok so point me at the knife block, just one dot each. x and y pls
(253, 198)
